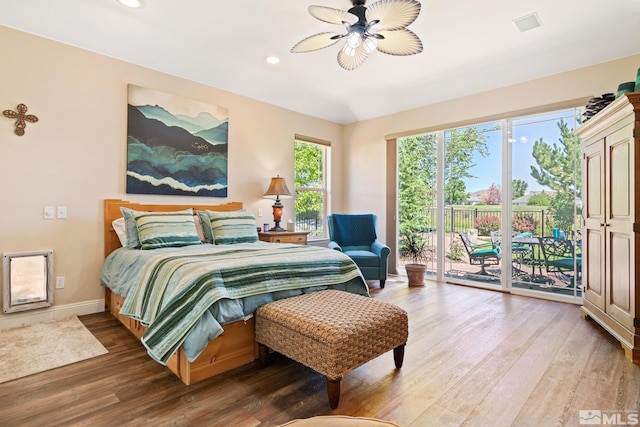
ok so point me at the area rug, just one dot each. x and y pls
(29, 349)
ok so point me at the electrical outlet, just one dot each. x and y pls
(60, 282)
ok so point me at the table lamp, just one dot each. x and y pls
(277, 188)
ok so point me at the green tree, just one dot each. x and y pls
(540, 199)
(559, 168)
(308, 174)
(460, 146)
(518, 188)
(417, 176)
(417, 169)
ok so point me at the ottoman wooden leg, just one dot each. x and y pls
(398, 355)
(333, 392)
(263, 351)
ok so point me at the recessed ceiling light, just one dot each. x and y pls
(272, 59)
(130, 3)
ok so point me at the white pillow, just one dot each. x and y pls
(119, 228)
(199, 229)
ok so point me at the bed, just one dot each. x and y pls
(192, 306)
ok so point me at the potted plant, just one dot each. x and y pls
(414, 246)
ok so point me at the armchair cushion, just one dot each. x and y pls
(364, 258)
(350, 229)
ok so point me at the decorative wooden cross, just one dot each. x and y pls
(21, 117)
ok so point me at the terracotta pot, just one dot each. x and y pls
(415, 274)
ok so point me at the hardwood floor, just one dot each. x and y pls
(474, 357)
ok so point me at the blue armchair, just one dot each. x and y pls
(355, 236)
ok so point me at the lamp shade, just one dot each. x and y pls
(277, 188)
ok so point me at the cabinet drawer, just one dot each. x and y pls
(295, 237)
(301, 240)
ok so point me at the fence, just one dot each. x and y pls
(311, 222)
(459, 219)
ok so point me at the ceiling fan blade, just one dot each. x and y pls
(393, 14)
(399, 42)
(351, 62)
(316, 42)
(332, 16)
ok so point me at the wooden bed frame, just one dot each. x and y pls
(235, 347)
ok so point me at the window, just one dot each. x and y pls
(311, 185)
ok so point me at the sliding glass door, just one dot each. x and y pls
(546, 203)
(472, 199)
(417, 173)
(496, 204)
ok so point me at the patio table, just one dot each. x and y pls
(536, 260)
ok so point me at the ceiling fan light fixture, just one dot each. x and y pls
(370, 44)
(381, 26)
(354, 39)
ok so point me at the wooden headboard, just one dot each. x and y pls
(112, 212)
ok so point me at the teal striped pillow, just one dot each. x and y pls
(166, 229)
(233, 227)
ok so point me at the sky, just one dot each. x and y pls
(525, 132)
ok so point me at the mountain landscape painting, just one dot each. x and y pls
(175, 146)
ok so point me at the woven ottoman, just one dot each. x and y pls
(332, 332)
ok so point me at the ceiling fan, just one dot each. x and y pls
(380, 26)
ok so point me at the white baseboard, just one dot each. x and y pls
(55, 312)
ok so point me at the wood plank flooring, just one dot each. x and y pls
(474, 358)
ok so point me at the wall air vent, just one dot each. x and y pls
(527, 23)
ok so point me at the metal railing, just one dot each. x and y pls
(313, 223)
(458, 219)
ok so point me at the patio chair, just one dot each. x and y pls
(559, 255)
(481, 257)
(519, 252)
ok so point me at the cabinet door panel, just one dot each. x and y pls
(594, 182)
(620, 187)
(593, 262)
(620, 278)
(593, 267)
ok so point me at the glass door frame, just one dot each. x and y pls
(506, 211)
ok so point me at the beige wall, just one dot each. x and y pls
(365, 144)
(75, 155)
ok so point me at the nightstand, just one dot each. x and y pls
(299, 237)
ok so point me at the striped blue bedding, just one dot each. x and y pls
(185, 294)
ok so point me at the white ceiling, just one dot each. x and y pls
(470, 46)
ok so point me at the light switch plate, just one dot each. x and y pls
(49, 212)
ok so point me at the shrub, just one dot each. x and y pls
(414, 246)
(457, 251)
(487, 224)
(523, 222)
